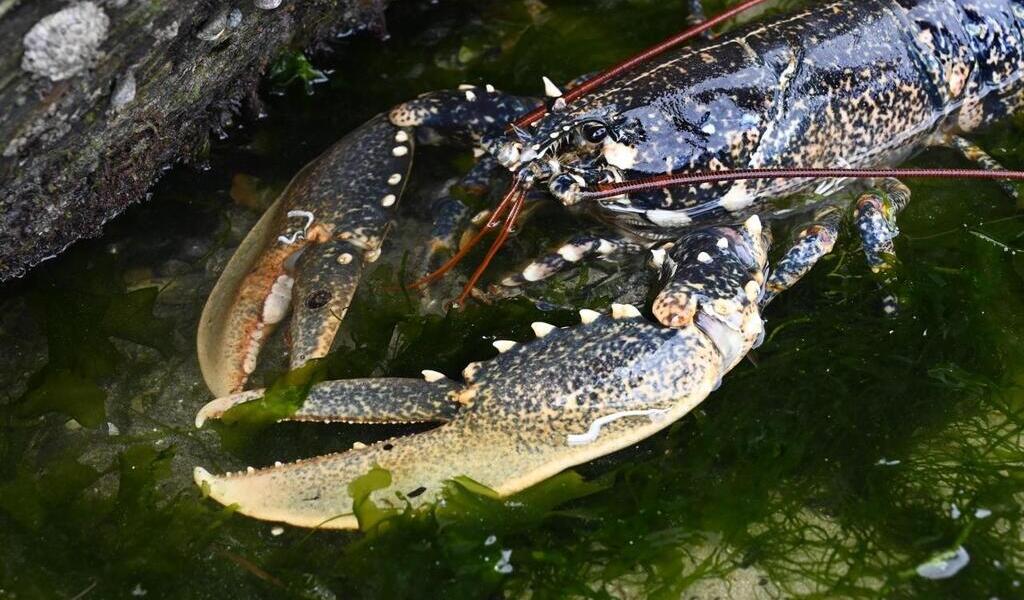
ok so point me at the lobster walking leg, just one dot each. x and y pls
(580, 248)
(696, 15)
(976, 154)
(875, 217)
(812, 243)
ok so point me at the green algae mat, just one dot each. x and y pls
(851, 456)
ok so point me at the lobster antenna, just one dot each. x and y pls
(608, 190)
(510, 221)
(573, 94)
(506, 203)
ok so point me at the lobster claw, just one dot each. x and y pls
(305, 255)
(536, 409)
(572, 395)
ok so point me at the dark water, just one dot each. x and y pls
(850, 451)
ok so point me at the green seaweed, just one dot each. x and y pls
(292, 67)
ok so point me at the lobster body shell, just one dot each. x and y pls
(847, 83)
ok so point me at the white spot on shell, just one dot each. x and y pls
(124, 91)
(668, 218)
(388, 200)
(344, 258)
(620, 155)
(737, 198)
(658, 257)
(571, 253)
(550, 89)
(432, 376)
(278, 530)
(535, 272)
(722, 243)
(503, 345)
(753, 290)
(399, 151)
(753, 225)
(470, 96)
(395, 179)
(588, 316)
(275, 307)
(704, 258)
(541, 329)
(401, 137)
(625, 311)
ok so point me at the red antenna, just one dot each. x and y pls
(608, 190)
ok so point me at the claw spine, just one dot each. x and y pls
(503, 345)
(541, 328)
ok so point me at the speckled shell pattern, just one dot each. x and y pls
(522, 408)
(847, 83)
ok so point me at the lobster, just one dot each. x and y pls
(682, 152)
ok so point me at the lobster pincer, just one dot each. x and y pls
(569, 396)
(306, 255)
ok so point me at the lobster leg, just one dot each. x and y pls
(812, 243)
(715, 278)
(696, 15)
(581, 248)
(875, 218)
(976, 154)
(426, 400)
(450, 218)
(451, 215)
(470, 116)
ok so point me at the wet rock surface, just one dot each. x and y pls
(99, 97)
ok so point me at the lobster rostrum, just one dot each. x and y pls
(681, 151)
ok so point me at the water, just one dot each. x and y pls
(827, 465)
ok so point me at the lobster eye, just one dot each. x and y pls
(594, 132)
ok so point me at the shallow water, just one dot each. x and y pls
(852, 456)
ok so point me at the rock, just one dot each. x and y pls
(107, 94)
